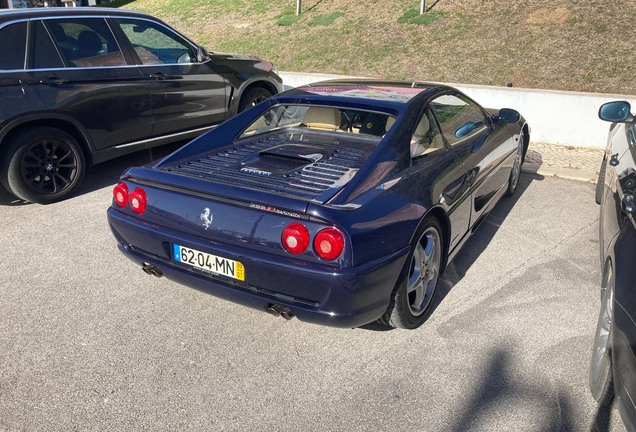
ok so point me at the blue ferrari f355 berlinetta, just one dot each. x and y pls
(340, 203)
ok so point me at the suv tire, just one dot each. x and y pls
(252, 97)
(42, 165)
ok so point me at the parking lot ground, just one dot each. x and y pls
(90, 342)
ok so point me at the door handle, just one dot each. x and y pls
(53, 81)
(158, 76)
(627, 203)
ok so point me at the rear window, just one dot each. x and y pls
(297, 120)
(12, 54)
(86, 42)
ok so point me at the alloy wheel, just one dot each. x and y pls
(424, 271)
(49, 166)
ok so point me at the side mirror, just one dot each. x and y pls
(617, 111)
(508, 115)
(202, 54)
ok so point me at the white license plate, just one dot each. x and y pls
(209, 263)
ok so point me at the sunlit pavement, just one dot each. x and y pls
(90, 342)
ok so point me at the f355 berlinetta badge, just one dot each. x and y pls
(206, 217)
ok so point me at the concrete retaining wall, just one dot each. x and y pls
(556, 117)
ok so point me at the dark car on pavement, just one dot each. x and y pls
(338, 202)
(79, 86)
(613, 365)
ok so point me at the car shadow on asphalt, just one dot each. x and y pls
(105, 174)
(499, 384)
(471, 250)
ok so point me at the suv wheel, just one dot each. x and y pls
(252, 97)
(42, 165)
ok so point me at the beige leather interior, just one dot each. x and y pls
(322, 118)
(389, 122)
(423, 140)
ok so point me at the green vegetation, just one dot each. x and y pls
(408, 15)
(287, 20)
(567, 45)
(325, 19)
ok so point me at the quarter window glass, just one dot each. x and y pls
(426, 138)
(155, 44)
(12, 53)
(458, 117)
(86, 42)
(45, 54)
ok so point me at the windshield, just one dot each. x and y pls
(300, 119)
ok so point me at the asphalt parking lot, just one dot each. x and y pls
(90, 342)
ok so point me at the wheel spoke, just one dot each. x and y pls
(54, 146)
(71, 165)
(65, 156)
(32, 177)
(419, 298)
(64, 179)
(40, 184)
(31, 165)
(34, 156)
(429, 251)
(417, 286)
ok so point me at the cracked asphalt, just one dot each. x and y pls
(90, 342)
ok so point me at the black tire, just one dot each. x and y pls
(601, 384)
(515, 173)
(252, 97)
(600, 183)
(42, 165)
(411, 301)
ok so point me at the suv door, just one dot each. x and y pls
(15, 97)
(78, 69)
(186, 94)
(482, 146)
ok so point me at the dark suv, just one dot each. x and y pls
(81, 86)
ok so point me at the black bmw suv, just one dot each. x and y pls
(79, 86)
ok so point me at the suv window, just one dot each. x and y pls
(426, 138)
(86, 42)
(12, 54)
(45, 54)
(458, 117)
(155, 44)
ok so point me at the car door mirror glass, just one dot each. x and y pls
(508, 115)
(617, 111)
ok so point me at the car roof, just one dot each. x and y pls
(396, 95)
(19, 14)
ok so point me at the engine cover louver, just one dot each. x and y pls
(297, 169)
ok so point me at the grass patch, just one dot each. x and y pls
(325, 19)
(288, 20)
(427, 18)
(412, 16)
(116, 4)
(408, 15)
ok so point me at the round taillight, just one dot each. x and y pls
(295, 238)
(329, 243)
(138, 200)
(120, 194)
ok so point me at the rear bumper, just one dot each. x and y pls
(318, 294)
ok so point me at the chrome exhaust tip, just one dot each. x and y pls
(274, 309)
(152, 270)
(287, 314)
